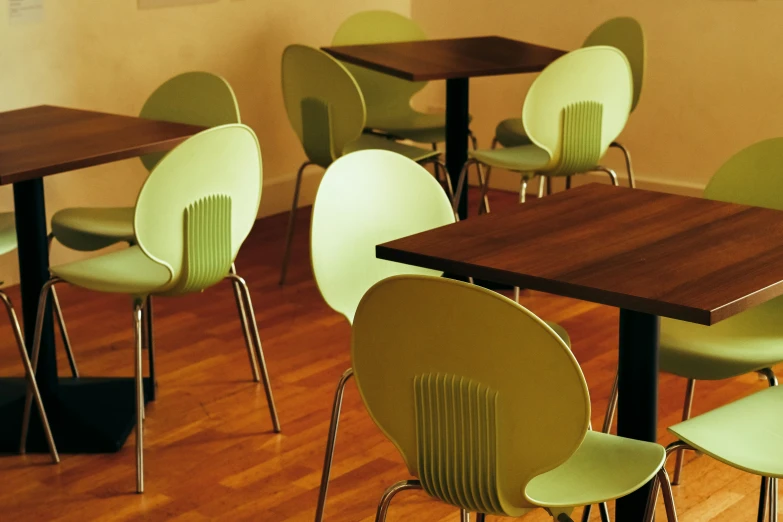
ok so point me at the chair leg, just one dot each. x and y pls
(612, 174)
(522, 191)
(39, 318)
(480, 517)
(628, 166)
(460, 184)
(251, 353)
(772, 380)
(764, 496)
(331, 440)
(686, 414)
(484, 184)
(383, 506)
(148, 342)
(32, 384)
(251, 316)
(139, 378)
(440, 166)
(661, 483)
(58, 313)
(291, 222)
(464, 515)
(773, 500)
(541, 184)
(611, 408)
(568, 182)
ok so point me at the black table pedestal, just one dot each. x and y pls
(457, 121)
(637, 412)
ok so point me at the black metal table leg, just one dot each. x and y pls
(637, 414)
(457, 121)
(87, 415)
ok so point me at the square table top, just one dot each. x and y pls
(43, 140)
(450, 58)
(687, 258)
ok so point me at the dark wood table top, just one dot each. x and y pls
(447, 59)
(43, 140)
(686, 258)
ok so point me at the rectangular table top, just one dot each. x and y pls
(450, 58)
(43, 140)
(687, 258)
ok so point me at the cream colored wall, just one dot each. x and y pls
(108, 55)
(714, 79)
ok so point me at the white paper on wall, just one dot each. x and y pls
(21, 11)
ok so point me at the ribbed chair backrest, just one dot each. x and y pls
(384, 95)
(324, 104)
(198, 206)
(577, 107)
(367, 198)
(196, 98)
(477, 393)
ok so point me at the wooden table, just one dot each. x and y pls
(456, 61)
(87, 414)
(647, 253)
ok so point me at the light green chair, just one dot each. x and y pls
(624, 33)
(326, 109)
(745, 435)
(191, 217)
(7, 245)
(367, 198)
(751, 341)
(196, 98)
(388, 99)
(486, 403)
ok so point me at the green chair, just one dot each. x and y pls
(326, 109)
(486, 403)
(388, 99)
(191, 217)
(8, 245)
(624, 33)
(367, 198)
(197, 98)
(745, 435)
(751, 341)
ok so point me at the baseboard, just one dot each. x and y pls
(279, 191)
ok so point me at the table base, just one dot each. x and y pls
(88, 415)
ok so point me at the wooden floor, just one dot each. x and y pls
(210, 452)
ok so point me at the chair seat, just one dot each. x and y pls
(420, 127)
(605, 467)
(740, 344)
(128, 271)
(7, 232)
(511, 133)
(745, 434)
(372, 141)
(524, 158)
(93, 228)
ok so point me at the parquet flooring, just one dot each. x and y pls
(210, 453)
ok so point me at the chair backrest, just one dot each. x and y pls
(384, 95)
(478, 394)
(577, 106)
(753, 176)
(626, 34)
(323, 102)
(367, 198)
(196, 98)
(199, 204)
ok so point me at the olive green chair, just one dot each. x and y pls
(327, 111)
(744, 434)
(367, 198)
(188, 225)
(751, 341)
(388, 99)
(196, 98)
(8, 245)
(624, 33)
(500, 430)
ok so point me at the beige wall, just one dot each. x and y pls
(714, 82)
(107, 55)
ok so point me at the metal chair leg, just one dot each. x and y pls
(686, 414)
(522, 191)
(251, 316)
(331, 440)
(383, 506)
(773, 500)
(612, 174)
(439, 165)
(292, 221)
(251, 353)
(772, 380)
(58, 313)
(460, 184)
(628, 166)
(611, 408)
(464, 516)
(32, 384)
(662, 482)
(484, 185)
(42, 298)
(541, 184)
(139, 378)
(764, 496)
